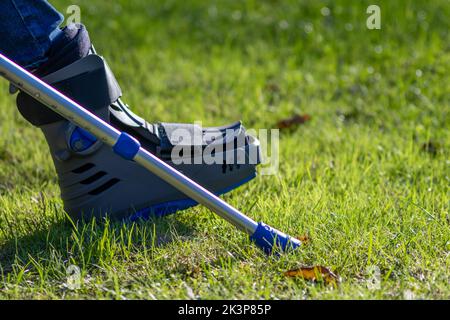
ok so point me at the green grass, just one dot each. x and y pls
(355, 179)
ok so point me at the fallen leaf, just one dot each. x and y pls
(304, 239)
(314, 273)
(295, 120)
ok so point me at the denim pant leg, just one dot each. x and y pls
(27, 28)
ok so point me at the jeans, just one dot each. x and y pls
(27, 29)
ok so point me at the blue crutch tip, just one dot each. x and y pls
(268, 238)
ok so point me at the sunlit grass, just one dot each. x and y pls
(356, 178)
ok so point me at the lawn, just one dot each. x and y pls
(366, 179)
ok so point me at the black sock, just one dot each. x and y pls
(71, 45)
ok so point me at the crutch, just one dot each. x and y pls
(266, 237)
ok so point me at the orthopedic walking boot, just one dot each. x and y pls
(94, 181)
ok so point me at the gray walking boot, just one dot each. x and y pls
(94, 181)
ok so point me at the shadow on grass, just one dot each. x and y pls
(87, 243)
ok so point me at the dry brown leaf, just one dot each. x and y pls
(304, 239)
(314, 273)
(293, 121)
